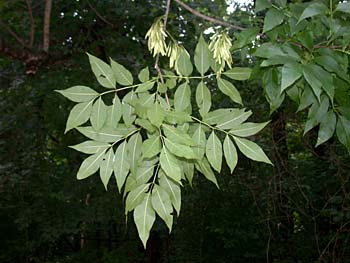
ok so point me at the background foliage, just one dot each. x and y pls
(296, 211)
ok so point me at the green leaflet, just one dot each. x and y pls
(79, 115)
(90, 147)
(182, 97)
(121, 165)
(238, 73)
(343, 131)
(144, 217)
(98, 114)
(343, 7)
(180, 150)
(114, 113)
(172, 188)
(144, 75)
(261, 5)
(90, 165)
(313, 10)
(151, 147)
(128, 111)
(327, 127)
(102, 71)
(145, 171)
(162, 205)
(177, 135)
(273, 89)
(203, 98)
(170, 165)
(213, 151)
(316, 113)
(106, 167)
(230, 90)
(106, 134)
(236, 119)
(145, 87)
(134, 151)
(79, 93)
(273, 18)
(248, 129)
(135, 197)
(203, 167)
(230, 153)
(183, 64)
(251, 150)
(291, 72)
(121, 74)
(175, 117)
(188, 168)
(200, 141)
(226, 118)
(245, 37)
(156, 114)
(202, 56)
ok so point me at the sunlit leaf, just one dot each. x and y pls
(135, 197)
(114, 113)
(200, 141)
(238, 73)
(170, 165)
(98, 114)
(230, 90)
(180, 150)
(144, 75)
(90, 165)
(106, 167)
(156, 114)
(121, 164)
(203, 167)
(79, 93)
(230, 153)
(90, 147)
(182, 97)
(213, 151)
(162, 205)
(177, 135)
(121, 74)
(134, 150)
(201, 56)
(106, 134)
(183, 64)
(102, 71)
(79, 115)
(173, 190)
(203, 98)
(248, 129)
(151, 147)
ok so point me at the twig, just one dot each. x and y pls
(99, 15)
(31, 19)
(12, 33)
(208, 18)
(47, 15)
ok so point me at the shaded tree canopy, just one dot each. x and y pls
(284, 65)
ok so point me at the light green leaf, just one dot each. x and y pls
(183, 64)
(180, 150)
(200, 141)
(238, 73)
(170, 165)
(248, 129)
(230, 153)
(201, 56)
(173, 190)
(98, 114)
(313, 9)
(90, 147)
(134, 151)
(222, 115)
(230, 90)
(128, 111)
(106, 167)
(188, 168)
(145, 86)
(144, 75)
(213, 151)
(106, 134)
(273, 18)
(79, 93)
(343, 131)
(122, 75)
(251, 150)
(102, 71)
(90, 165)
(177, 135)
(204, 168)
(135, 197)
(121, 165)
(182, 97)
(145, 170)
(156, 114)
(291, 72)
(343, 7)
(144, 217)
(203, 98)
(175, 117)
(236, 117)
(79, 115)
(162, 205)
(327, 127)
(114, 113)
(146, 125)
(151, 147)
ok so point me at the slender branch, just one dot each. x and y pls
(47, 15)
(31, 19)
(208, 18)
(99, 15)
(12, 33)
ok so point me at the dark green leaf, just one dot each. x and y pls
(313, 9)
(291, 72)
(343, 131)
(272, 19)
(327, 127)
